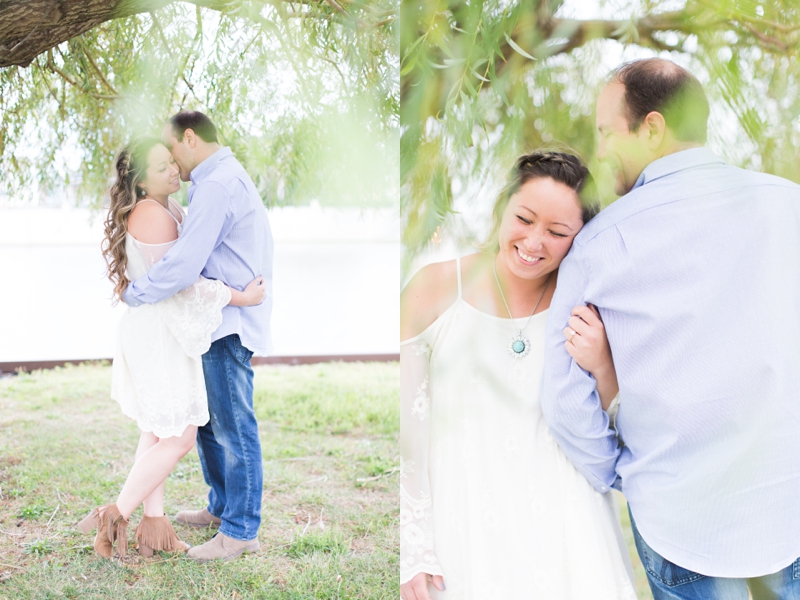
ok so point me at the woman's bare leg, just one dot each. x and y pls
(151, 469)
(154, 503)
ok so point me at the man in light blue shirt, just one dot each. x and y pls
(696, 273)
(227, 237)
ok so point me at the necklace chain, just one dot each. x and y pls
(500, 287)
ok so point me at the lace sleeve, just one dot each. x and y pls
(416, 527)
(193, 314)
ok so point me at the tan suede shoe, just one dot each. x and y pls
(156, 533)
(222, 547)
(111, 528)
(197, 518)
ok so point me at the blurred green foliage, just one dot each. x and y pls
(484, 80)
(284, 82)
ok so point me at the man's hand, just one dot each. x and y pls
(417, 587)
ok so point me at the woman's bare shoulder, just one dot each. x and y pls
(430, 292)
(151, 224)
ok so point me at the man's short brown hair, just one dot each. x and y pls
(655, 84)
(197, 122)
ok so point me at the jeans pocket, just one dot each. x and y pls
(241, 353)
(668, 573)
(659, 568)
(796, 569)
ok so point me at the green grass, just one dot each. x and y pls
(640, 577)
(330, 511)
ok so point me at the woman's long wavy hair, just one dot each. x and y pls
(562, 167)
(131, 169)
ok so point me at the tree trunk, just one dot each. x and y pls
(30, 27)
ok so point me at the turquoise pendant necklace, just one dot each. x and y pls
(519, 346)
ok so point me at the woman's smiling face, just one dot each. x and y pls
(538, 226)
(161, 177)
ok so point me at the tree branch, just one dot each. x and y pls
(52, 67)
(767, 40)
(731, 16)
(96, 68)
(61, 110)
(160, 30)
(27, 37)
(544, 36)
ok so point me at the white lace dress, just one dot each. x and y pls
(157, 374)
(487, 497)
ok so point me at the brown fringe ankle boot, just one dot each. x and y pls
(111, 527)
(156, 533)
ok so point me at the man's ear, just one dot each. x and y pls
(655, 127)
(190, 138)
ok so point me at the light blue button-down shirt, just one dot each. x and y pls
(226, 237)
(696, 273)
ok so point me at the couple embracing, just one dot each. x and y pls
(198, 290)
(652, 347)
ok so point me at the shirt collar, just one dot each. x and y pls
(677, 161)
(204, 168)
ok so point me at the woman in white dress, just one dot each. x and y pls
(490, 506)
(157, 374)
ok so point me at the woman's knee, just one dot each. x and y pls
(182, 443)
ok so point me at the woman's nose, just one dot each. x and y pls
(534, 240)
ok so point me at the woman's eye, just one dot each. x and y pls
(526, 221)
(561, 235)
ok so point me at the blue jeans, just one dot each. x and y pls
(668, 581)
(229, 446)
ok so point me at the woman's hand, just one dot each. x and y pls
(417, 587)
(255, 292)
(588, 344)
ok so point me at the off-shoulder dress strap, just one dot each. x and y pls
(177, 205)
(174, 218)
(458, 275)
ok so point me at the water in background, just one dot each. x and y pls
(336, 283)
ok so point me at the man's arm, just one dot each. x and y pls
(183, 263)
(570, 402)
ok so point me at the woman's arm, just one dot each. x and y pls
(417, 557)
(253, 294)
(420, 305)
(426, 296)
(588, 344)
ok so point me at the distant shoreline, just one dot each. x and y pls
(13, 367)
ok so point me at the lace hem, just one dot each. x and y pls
(416, 537)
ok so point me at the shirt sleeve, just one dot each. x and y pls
(570, 402)
(206, 225)
(416, 520)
